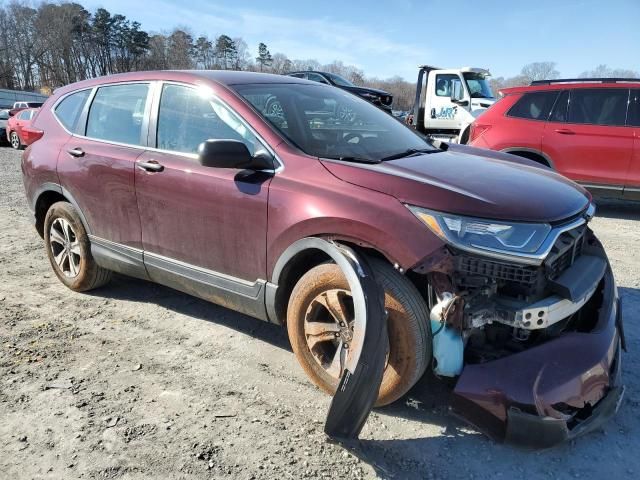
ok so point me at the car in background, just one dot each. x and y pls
(4, 118)
(18, 106)
(18, 128)
(379, 98)
(586, 129)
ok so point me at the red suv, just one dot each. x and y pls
(382, 253)
(588, 131)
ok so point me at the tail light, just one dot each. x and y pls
(477, 130)
(30, 134)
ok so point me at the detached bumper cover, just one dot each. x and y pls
(552, 392)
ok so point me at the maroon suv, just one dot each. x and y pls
(478, 265)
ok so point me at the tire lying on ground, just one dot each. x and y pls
(69, 249)
(321, 302)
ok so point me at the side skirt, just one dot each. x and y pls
(227, 291)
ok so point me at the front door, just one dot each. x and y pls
(203, 224)
(632, 185)
(441, 113)
(591, 144)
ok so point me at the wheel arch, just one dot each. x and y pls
(299, 258)
(531, 154)
(47, 195)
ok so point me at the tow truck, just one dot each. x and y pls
(447, 101)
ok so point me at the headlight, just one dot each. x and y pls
(480, 234)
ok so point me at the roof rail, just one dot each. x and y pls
(585, 80)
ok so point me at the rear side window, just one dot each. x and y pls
(25, 115)
(317, 78)
(117, 113)
(634, 112)
(560, 109)
(534, 106)
(603, 106)
(68, 110)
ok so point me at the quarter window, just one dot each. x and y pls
(68, 110)
(599, 106)
(534, 106)
(317, 78)
(117, 113)
(187, 118)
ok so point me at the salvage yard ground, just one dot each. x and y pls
(139, 381)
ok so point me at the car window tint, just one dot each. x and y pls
(187, 118)
(444, 84)
(534, 106)
(559, 113)
(634, 112)
(599, 106)
(68, 110)
(117, 112)
(317, 78)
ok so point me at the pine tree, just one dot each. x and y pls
(264, 58)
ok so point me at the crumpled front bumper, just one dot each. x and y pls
(555, 391)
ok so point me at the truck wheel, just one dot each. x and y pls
(69, 249)
(321, 308)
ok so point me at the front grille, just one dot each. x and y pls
(567, 248)
(522, 274)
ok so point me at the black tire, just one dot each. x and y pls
(69, 250)
(408, 327)
(14, 141)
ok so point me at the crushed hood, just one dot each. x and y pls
(471, 181)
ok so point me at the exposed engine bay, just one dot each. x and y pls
(498, 307)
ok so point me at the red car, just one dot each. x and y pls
(19, 133)
(382, 253)
(588, 131)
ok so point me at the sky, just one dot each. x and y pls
(394, 37)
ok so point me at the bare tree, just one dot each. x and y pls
(539, 71)
(603, 71)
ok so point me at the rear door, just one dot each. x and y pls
(97, 163)
(632, 186)
(587, 139)
(527, 119)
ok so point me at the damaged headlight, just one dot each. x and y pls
(474, 234)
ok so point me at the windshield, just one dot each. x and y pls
(478, 85)
(340, 81)
(331, 123)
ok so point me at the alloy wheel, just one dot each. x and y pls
(15, 140)
(65, 247)
(329, 331)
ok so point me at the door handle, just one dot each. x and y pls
(150, 166)
(565, 131)
(76, 152)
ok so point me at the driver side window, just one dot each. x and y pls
(187, 118)
(444, 84)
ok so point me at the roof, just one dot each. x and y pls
(578, 83)
(222, 77)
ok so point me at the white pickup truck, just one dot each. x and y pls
(447, 101)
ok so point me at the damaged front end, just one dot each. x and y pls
(535, 346)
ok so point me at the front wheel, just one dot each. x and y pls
(320, 325)
(69, 250)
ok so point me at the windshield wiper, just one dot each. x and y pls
(407, 153)
(347, 158)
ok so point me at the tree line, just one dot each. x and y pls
(50, 44)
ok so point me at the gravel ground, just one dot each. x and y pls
(139, 381)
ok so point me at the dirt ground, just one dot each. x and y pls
(139, 381)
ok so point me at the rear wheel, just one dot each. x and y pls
(69, 249)
(320, 326)
(14, 139)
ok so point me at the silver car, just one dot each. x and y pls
(4, 117)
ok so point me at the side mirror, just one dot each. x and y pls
(232, 154)
(457, 93)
